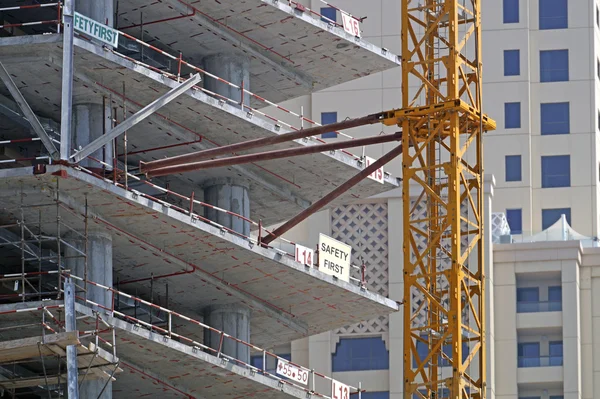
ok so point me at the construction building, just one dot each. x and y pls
(115, 284)
(543, 295)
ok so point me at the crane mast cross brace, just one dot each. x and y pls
(442, 160)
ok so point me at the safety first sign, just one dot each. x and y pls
(96, 30)
(334, 257)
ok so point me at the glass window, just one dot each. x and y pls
(515, 220)
(528, 294)
(326, 119)
(550, 216)
(556, 353)
(556, 171)
(529, 397)
(529, 354)
(360, 354)
(512, 115)
(557, 397)
(554, 65)
(555, 118)
(510, 9)
(374, 395)
(512, 165)
(512, 63)
(555, 298)
(329, 14)
(554, 14)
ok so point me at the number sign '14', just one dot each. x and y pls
(339, 390)
(304, 255)
(292, 372)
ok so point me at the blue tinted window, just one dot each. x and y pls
(556, 171)
(550, 216)
(510, 9)
(556, 353)
(528, 294)
(555, 118)
(512, 164)
(554, 66)
(555, 294)
(529, 354)
(360, 354)
(329, 13)
(326, 119)
(557, 397)
(512, 115)
(512, 63)
(374, 395)
(515, 220)
(423, 351)
(554, 14)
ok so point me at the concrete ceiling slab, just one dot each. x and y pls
(292, 52)
(151, 238)
(292, 183)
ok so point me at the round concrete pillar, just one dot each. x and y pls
(230, 194)
(233, 320)
(101, 11)
(99, 270)
(232, 68)
(88, 125)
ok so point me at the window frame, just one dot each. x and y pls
(510, 17)
(520, 212)
(344, 360)
(556, 21)
(511, 175)
(550, 73)
(326, 10)
(507, 67)
(553, 211)
(555, 180)
(510, 109)
(324, 115)
(549, 111)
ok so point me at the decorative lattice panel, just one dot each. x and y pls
(365, 228)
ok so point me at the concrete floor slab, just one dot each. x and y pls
(292, 52)
(278, 189)
(152, 239)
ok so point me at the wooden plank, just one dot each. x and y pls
(27, 348)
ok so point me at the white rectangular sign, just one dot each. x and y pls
(339, 390)
(376, 175)
(351, 25)
(334, 257)
(96, 30)
(292, 372)
(304, 255)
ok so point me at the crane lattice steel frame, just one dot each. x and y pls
(443, 169)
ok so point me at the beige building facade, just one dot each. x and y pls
(540, 84)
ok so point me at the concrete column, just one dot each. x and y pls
(232, 68)
(99, 270)
(101, 11)
(233, 320)
(90, 121)
(488, 258)
(571, 333)
(232, 195)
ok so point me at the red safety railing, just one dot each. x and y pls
(56, 21)
(358, 270)
(167, 330)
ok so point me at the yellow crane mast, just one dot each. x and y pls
(442, 127)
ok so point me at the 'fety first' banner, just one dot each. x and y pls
(334, 257)
(96, 30)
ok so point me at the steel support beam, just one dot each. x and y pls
(250, 144)
(136, 118)
(280, 191)
(71, 325)
(28, 112)
(67, 80)
(332, 195)
(271, 155)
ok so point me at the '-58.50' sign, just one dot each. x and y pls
(339, 390)
(292, 372)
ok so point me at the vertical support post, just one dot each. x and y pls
(264, 368)
(70, 324)
(242, 95)
(179, 67)
(67, 80)
(125, 136)
(85, 251)
(192, 203)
